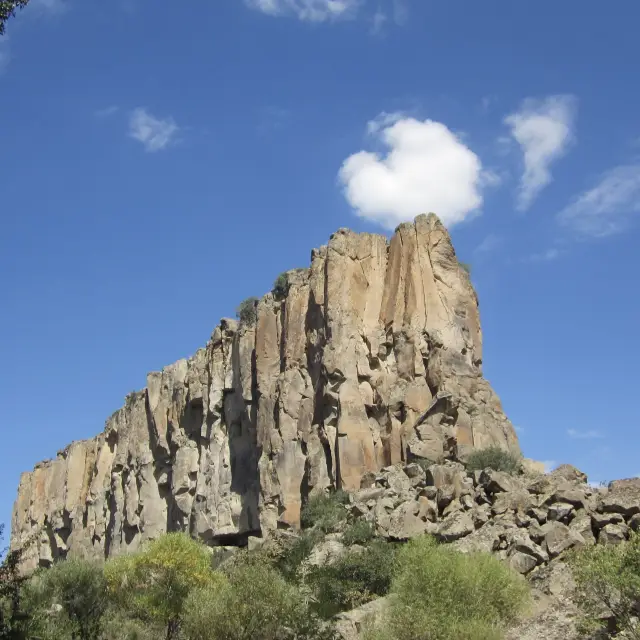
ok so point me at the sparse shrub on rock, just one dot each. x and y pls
(494, 458)
(325, 511)
(247, 312)
(360, 531)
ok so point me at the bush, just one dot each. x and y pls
(608, 578)
(440, 594)
(155, 583)
(281, 286)
(355, 578)
(67, 600)
(296, 552)
(494, 458)
(325, 511)
(247, 312)
(255, 604)
(359, 532)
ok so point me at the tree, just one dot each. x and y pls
(494, 458)
(156, 582)
(12, 616)
(8, 10)
(68, 600)
(256, 603)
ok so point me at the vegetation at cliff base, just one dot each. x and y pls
(608, 586)
(173, 588)
(440, 594)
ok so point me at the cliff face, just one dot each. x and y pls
(372, 357)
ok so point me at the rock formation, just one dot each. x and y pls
(371, 357)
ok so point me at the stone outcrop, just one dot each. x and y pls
(371, 357)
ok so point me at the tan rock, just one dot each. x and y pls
(372, 357)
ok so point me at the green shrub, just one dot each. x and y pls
(356, 577)
(494, 458)
(608, 578)
(325, 511)
(255, 604)
(360, 531)
(440, 594)
(281, 286)
(67, 600)
(154, 583)
(247, 311)
(296, 552)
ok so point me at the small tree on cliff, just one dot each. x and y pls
(8, 9)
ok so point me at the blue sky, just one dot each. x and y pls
(158, 166)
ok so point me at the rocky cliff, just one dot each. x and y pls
(369, 358)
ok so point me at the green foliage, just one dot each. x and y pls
(466, 266)
(13, 617)
(296, 552)
(441, 594)
(67, 600)
(247, 312)
(255, 604)
(360, 531)
(117, 625)
(494, 458)
(355, 578)
(8, 10)
(155, 583)
(325, 511)
(281, 286)
(608, 578)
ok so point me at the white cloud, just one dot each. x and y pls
(584, 435)
(543, 129)
(426, 168)
(154, 133)
(308, 10)
(605, 208)
(106, 112)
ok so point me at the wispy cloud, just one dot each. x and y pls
(543, 129)
(426, 167)
(272, 118)
(545, 256)
(106, 112)
(153, 133)
(591, 434)
(334, 10)
(489, 244)
(308, 10)
(51, 6)
(605, 208)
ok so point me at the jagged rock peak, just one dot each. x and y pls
(371, 357)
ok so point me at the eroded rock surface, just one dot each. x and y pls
(372, 358)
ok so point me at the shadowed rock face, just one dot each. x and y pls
(373, 357)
